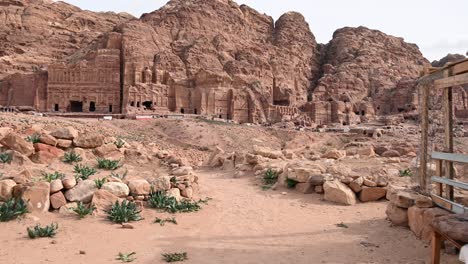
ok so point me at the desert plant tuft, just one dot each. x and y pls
(100, 182)
(6, 157)
(53, 176)
(107, 164)
(162, 222)
(126, 257)
(47, 231)
(160, 200)
(290, 183)
(269, 179)
(119, 143)
(342, 225)
(11, 209)
(124, 212)
(71, 157)
(84, 172)
(406, 173)
(118, 176)
(34, 138)
(82, 211)
(174, 257)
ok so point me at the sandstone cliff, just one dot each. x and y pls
(34, 33)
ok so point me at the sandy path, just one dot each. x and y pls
(242, 224)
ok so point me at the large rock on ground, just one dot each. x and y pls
(48, 139)
(57, 200)
(370, 194)
(334, 154)
(68, 133)
(107, 150)
(69, 182)
(36, 194)
(397, 215)
(56, 186)
(162, 183)
(88, 141)
(119, 189)
(420, 219)
(15, 142)
(103, 200)
(139, 187)
(337, 192)
(82, 192)
(454, 226)
(267, 153)
(6, 189)
(302, 175)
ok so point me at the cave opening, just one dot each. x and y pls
(76, 106)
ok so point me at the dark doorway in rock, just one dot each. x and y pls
(132, 104)
(220, 116)
(138, 104)
(195, 111)
(76, 106)
(92, 106)
(148, 104)
(281, 102)
(182, 111)
(56, 107)
(110, 109)
(363, 113)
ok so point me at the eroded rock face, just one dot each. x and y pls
(36, 33)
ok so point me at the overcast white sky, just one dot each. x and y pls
(437, 27)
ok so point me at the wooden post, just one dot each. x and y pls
(424, 92)
(436, 243)
(448, 126)
(439, 172)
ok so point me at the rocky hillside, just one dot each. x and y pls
(360, 61)
(34, 33)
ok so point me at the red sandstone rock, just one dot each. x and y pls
(15, 142)
(57, 200)
(36, 194)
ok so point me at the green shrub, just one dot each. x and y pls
(107, 164)
(53, 176)
(269, 179)
(82, 211)
(47, 231)
(6, 157)
(406, 173)
(119, 143)
(126, 257)
(100, 182)
(118, 176)
(34, 138)
(162, 222)
(160, 200)
(291, 183)
(11, 209)
(71, 157)
(124, 212)
(174, 257)
(84, 172)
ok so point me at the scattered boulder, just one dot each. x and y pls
(391, 154)
(18, 159)
(423, 201)
(43, 157)
(334, 154)
(367, 151)
(337, 192)
(48, 139)
(56, 186)
(187, 192)
(174, 192)
(162, 183)
(139, 187)
(305, 188)
(356, 185)
(106, 150)
(6, 189)
(69, 182)
(181, 171)
(64, 143)
(15, 142)
(397, 215)
(318, 179)
(36, 194)
(267, 153)
(82, 192)
(119, 189)
(455, 226)
(23, 177)
(68, 133)
(404, 199)
(370, 194)
(67, 209)
(88, 141)
(369, 183)
(302, 174)
(47, 148)
(57, 200)
(103, 200)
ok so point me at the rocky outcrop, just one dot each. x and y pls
(36, 33)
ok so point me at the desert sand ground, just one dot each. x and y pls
(242, 224)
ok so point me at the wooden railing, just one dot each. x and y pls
(444, 180)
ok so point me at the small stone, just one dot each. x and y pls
(397, 215)
(284, 193)
(119, 189)
(69, 182)
(57, 200)
(369, 194)
(56, 186)
(369, 183)
(127, 226)
(6, 189)
(65, 133)
(82, 252)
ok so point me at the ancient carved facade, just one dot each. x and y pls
(88, 86)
